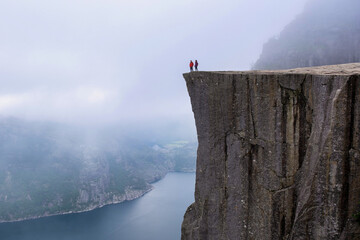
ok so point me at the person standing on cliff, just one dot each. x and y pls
(196, 65)
(191, 65)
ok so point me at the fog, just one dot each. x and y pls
(106, 62)
(326, 33)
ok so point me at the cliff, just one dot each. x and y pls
(278, 154)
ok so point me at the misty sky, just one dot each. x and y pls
(108, 61)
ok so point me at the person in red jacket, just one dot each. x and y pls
(196, 65)
(191, 65)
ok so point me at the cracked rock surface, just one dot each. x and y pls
(278, 155)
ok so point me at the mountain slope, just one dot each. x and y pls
(48, 169)
(327, 32)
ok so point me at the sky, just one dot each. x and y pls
(108, 61)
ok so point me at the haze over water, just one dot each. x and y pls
(155, 216)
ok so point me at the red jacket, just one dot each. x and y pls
(191, 64)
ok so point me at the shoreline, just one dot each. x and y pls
(99, 206)
(80, 211)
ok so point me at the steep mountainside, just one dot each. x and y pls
(327, 32)
(278, 155)
(48, 169)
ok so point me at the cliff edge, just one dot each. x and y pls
(278, 155)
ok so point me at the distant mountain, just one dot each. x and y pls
(327, 32)
(48, 169)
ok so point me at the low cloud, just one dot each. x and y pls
(117, 61)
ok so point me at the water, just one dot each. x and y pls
(155, 216)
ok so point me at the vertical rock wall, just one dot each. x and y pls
(278, 156)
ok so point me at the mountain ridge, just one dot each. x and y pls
(325, 33)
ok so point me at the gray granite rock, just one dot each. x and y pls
(278, 155)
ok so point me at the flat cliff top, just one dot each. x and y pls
(341, 69)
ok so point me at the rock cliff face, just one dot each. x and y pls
(278, 155)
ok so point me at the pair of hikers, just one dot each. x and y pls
(192, 65)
